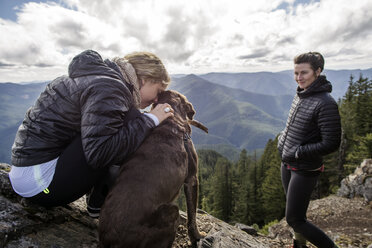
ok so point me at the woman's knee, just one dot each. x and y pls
(294, 221)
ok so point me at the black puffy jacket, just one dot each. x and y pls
(92, 101)
(313, 127)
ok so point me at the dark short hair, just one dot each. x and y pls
(315, 59)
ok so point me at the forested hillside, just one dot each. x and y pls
(235, 117)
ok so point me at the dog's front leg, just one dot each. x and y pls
(191, 193)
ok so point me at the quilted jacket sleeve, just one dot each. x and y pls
(106, 137)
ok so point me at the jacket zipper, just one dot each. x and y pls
(295, 111)
(291, 120)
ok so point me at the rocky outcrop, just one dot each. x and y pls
(359, 183)
(220, 234)
(347, 221)
(25, 225)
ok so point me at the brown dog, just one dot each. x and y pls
(139, 210)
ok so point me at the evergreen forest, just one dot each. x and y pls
(250, 191)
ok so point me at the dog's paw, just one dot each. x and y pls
(196, 236)
(196, 239)
(202, 234)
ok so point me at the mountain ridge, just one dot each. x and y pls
(238, 110)
(233, 113)
(265, 82)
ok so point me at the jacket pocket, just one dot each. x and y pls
(289, 155)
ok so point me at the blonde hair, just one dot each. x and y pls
(149, 67)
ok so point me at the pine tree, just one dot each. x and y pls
(207, 160)
(221, 194)
(356, 119)
(239, 185)
(253, 199)
(272, 190)
(364, 149)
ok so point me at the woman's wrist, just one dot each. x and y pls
(153, 117)
(162, 111)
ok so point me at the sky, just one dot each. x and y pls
(38, 39)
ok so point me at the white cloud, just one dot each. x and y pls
(191, 37)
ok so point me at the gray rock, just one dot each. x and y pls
(359, 183)
(248, 229)
(220, 234)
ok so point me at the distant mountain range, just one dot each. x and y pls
(235, 117)
(241, 110)
(282, 83)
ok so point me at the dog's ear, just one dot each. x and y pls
(190, 112)
(185, 106)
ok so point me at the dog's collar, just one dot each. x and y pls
(186, 137)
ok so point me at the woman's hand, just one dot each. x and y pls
(162, 111)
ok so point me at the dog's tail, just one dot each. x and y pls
(198, 124)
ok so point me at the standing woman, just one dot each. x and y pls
(84, 124)
(313, 130)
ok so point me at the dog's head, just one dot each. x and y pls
(181, 106)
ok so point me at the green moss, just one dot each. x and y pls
(265, 229)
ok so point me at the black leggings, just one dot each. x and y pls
(298, 187)
(72, 179)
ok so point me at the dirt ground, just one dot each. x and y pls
(347, 221)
